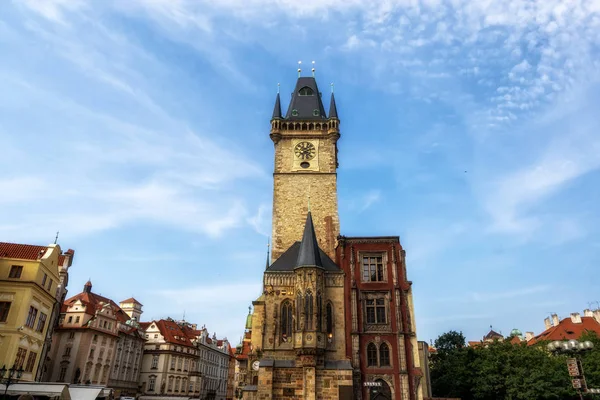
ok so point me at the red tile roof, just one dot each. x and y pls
(173, 333)
(21, 251)
(131, 300)
(567, 329)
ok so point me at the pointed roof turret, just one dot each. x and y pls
(277, 108)
(306, 101)
(332, 108)
(87, 288)
(309, 254)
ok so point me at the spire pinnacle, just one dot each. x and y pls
(299, 69)
(268, 247)
(309, 254)
(332, 107)
(313, 69)
(277, 108)
(56, 238)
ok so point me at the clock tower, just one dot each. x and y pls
(304, 176)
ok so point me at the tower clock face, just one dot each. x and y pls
(305, 151)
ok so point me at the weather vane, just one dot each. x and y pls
(313, 69)
(299, 69)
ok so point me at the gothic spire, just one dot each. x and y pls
(308, 255)
(332, 108)
(277, 108)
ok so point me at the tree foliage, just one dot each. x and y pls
(501, 370)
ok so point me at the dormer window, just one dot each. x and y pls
(305, 91)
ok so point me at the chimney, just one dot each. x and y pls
(547, 323)
(597, 315)
(575, 318)
(555, 321)
(588, 313)
(528, 336)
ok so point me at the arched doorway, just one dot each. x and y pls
(382, 392)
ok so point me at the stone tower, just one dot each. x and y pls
(305, 167)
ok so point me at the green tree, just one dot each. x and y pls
(451, 374)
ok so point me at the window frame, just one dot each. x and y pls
(5, 310)
(15, 272)
(287, 311)
(387, 356)
(372, 351)
(375, 272)
(31, 317)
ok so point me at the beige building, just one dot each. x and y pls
(183, 361)
(97, 343)
(32, 283)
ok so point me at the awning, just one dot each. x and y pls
(52, 390)
(84, 393)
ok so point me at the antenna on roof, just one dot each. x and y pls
(56, 238)
(299, 69)
(313, 69)
(278, 87)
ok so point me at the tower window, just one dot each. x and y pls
(376, 311)
(384, 355)
(306, 91)
(371, 355)
(372, 269)
(308, 310)
(286, 321)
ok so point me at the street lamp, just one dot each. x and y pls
(12, 373)
(574, 347)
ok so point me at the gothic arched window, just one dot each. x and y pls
(308, 309)
(384, 355)
(371, 355)
(298, 309)
(329, 319)
(319, 311)
(286, 320)
(305, 91)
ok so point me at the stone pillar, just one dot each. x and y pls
(265, 380)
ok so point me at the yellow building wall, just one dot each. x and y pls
(23, 293)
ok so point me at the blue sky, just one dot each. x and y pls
(139, 130)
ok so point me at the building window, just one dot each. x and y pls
(186, 363)
(371, 355)
(61, 376)
(319, 311)
(179, 363)
(298, 309)
(172, 362)
(70, 320)
(20, 358)
(91, 353)
(67, 351)
(41, 322)
(4, 309)
(384, 355)
(15, 271)
(376, 311)
(286, 320)
(95, 338)
(152, 384)
(372, 269)
(154, 362)
(170, 386)
(30, 361)
(329, 319)
(308, 310)
(50, 284)
(305, 91)
(31, 317)
(44, 279)
(77, 319)
(71, 335)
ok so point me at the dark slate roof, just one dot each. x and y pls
(287, 261)
(306, 105)
(309, 253)
(277, 108)
(332, 108)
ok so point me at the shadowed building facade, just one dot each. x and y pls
(313, 323)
